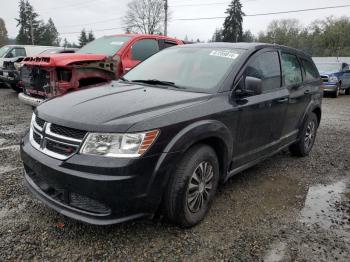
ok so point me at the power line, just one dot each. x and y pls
(93, 22)
(264, 14)
(206, 4)
(70, 5)
(98, 30)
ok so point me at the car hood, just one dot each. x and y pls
(54, 60)
(328, 72)
(115, 107)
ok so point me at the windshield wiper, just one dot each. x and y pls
(157, 82)
(123, 79)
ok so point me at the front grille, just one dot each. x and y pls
(59, 148)
(36, 79)
(37, 138)
(56, 141)
(67, 131)
(325, 79)
(40, 122)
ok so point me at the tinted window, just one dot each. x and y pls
(143, 49)
(311, 72)
(3, 50)
(291, 70)
(267, 68)
(107, 45)
(198, 69)
(15, 52)
(165, 44)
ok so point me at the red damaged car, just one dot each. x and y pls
(102, 60)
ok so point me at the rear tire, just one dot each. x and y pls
(347, 91)
(307, 137)
(192, 186)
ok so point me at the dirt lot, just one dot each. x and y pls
(284, 209)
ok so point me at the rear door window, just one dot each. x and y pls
(291, 70)
(143, 49)
(266, 67)
(310, 71)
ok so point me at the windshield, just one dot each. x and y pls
(193, 68)
(107, 45)
(328, 67)
(3, 50)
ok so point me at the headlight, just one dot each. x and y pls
(118, 145)
(333, 79)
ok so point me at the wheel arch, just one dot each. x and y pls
(210, 132)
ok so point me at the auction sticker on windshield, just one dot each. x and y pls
(224, 53)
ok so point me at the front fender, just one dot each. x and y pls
(199, 131)
(187, 137)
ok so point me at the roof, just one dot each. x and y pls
(243, 45)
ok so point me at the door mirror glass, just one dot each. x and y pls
(253, 85)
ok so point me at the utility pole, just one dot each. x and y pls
(32, 30)
(166, 17)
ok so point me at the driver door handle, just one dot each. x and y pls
(307, 92)
(282, 100)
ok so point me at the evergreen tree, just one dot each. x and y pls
(248, 37)
(83, 39)
(91, 36)
(233, 25)
(217, 36)
(50, 35)
(65, 42)
(28, 23)
(3, 33)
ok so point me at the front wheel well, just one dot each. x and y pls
(317, 112)
(221, 151)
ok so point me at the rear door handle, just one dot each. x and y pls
(307, 92)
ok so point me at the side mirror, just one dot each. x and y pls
(253, 85)
(9, 55)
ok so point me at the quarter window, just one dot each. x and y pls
(267, 68)
(311, 72)
(143, 49)
(291, 70)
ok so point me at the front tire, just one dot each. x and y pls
(307, 137)
(192, 187)
(16, 88)
(336, 93)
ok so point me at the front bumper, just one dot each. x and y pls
(29, 100)
(9, 76)
(96, 190)
(330, 87)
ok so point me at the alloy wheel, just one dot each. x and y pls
(310, 134)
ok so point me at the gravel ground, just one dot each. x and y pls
(284, 209)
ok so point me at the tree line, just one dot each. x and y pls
(323, 37)
(34, 31)
(326, 37)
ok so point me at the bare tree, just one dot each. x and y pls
(145, 16)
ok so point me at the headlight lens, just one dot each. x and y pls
(333, 79)
(118, 145)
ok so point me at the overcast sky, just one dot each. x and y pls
(71, 16)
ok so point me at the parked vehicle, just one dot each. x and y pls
(100, 61)
(165, 134)
(335, 77)
(12, 54)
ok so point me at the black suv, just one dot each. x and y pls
(165, 135)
